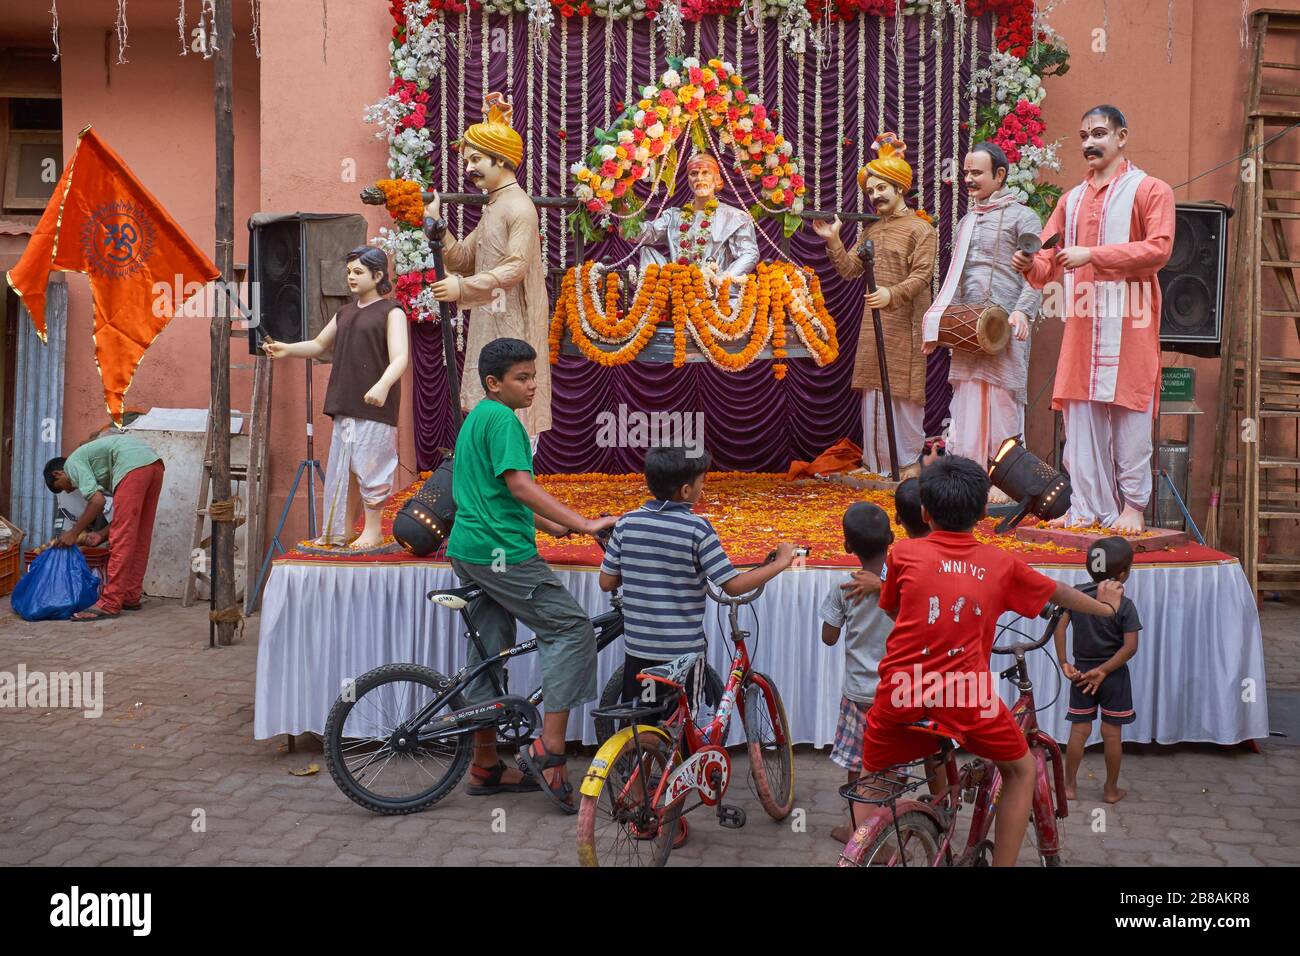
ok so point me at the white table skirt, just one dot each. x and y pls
(1198, 674)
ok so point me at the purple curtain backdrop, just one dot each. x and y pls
(752, 421)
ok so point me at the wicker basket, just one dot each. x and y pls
(10, 564)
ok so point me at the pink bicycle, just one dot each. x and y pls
(922, 831)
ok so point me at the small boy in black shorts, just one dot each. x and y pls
(1099, 674)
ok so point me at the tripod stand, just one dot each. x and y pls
(309, 466)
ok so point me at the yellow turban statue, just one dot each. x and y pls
(494, 135)
(889, 164)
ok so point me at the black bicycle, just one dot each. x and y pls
(400, 738)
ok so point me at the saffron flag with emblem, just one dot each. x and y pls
(102, 222)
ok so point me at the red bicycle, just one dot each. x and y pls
(635, 792)
(921, 831)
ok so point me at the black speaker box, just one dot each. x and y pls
(1192, 282)
(297, 270)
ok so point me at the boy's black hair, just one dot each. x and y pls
(1108, 558)
(51, 466)
(668, 467)
(997, 156)
(955, 491)
(376, 260)
(499, 355)
(907, 505)
(1113, 116)
(867, 533)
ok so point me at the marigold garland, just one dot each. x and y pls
(774, 294)
(402, 199)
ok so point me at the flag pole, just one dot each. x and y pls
(222, 581)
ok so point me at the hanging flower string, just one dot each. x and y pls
(678, 294)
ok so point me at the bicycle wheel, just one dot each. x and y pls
(915, 842)
(616, 827)
(613, 694)
(771, 752)
(383, 774)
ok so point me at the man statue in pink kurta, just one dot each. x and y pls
(502, 280)
(1116, 232)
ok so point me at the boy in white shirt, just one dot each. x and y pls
(867, 536)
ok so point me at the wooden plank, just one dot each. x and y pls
(197, 538)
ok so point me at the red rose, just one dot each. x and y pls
(584, 11)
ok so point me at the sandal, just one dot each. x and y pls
(561, 795)
(485, 781)
(136, 606)
(93, 613)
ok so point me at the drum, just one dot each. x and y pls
(975, 328)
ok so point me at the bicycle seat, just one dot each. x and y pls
(675, 672)
(455, 598)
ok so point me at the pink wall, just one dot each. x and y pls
(171, 150)
(1185, 116)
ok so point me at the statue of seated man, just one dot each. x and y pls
(720, 239)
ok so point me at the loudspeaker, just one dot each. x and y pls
(1192, 282)
(297, 267)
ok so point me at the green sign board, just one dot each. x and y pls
(1177, 385)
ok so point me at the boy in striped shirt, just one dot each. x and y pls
(661, 554)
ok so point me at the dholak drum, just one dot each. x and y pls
(974, 328)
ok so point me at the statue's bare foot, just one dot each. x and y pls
(1130, 521)
(998, 497)
(1064, 521)
(365, 542)
(911, 471)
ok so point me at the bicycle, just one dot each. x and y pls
(921, 831)
(635, 790)
(434, 740)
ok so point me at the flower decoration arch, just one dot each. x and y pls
(709, 102)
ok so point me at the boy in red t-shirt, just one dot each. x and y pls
(946, 592)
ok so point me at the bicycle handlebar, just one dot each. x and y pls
(748, 597)
(1050, 613)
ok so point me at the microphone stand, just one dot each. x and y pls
(868, 256)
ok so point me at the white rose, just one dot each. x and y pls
(639, 117)
(642, 155)
(583, 192)
(625, 136)
(787, 148)
(690, 61)
(656, 131)
(784, 182)
(745, 124)
(649, 93)
(797, 205)
(671, 79)
(772, 160)
(608, 152)
(577, 167)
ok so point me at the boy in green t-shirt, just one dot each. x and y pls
(493, 545)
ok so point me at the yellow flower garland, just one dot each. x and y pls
(774, 294)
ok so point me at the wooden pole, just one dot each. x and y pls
(223, 532)
(868, 255)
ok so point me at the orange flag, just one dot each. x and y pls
(102, 222)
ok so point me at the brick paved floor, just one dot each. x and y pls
(175, 742)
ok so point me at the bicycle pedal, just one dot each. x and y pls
(733, 818)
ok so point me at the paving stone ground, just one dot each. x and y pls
(175, 740)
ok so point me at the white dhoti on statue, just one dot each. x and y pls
(909, 431)
(1108, 456)
(983, 416)
(363, 448)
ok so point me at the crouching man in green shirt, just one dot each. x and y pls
(493, 544)
(128, 470)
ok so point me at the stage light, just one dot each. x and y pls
(1040, 489)
(425, 521)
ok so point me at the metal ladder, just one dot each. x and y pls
(1259, 392)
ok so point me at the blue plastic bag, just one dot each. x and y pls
(57, 585)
